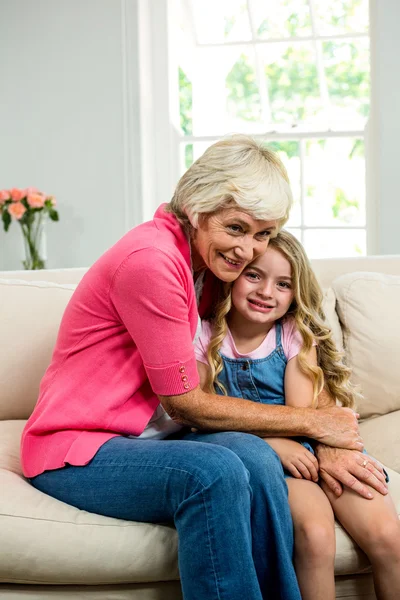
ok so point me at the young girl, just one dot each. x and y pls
(268, 343)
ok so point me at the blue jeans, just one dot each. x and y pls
(225, 493)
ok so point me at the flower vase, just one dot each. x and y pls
(34, 241)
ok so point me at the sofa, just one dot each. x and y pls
(51, 550)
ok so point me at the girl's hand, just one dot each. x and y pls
(296, 459)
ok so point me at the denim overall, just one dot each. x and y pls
(258, 380)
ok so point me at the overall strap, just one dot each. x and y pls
(278, 333)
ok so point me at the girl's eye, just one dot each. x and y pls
(252, 276)
(285, 284)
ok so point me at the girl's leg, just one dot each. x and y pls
(314, 539)
(202, 488)
(375, 527)
(271, 522)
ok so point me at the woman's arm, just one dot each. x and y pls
(205, 411)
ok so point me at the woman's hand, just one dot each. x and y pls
(335, 426)
(338, 467)
(296, 459)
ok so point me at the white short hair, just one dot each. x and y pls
(235, 169)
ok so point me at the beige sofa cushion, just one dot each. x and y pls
(74, 546)
(331, 317)
(382, 438)
(367, 304)
(30, 312)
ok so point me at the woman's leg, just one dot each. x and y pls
(314, 539)
(271, 522)
(202, 488)
(374, 525)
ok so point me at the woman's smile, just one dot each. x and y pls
(228, 240)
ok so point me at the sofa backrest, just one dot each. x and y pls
(32, 304)
(30, 314)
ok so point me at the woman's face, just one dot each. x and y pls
(228, 240)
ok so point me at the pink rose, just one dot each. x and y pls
(36, 200)
(31, 190)
(4, 195)
(16, 210)
(17, 195)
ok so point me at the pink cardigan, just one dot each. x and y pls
(126, 335)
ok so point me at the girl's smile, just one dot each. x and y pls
(263, 292)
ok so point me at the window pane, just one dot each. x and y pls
(226, 98)
(185, 103)
(347, 75)
(243, 96)
(220, 21)
(281, 18)
(292, 82)
(323, 243)
(334, 172)
(191, 152)
(289, 153)
(295, 232)
(341, 16)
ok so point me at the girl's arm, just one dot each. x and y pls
(299, 461)
(337, 466)
(298, 386)
(203, 372)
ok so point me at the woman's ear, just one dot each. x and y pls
(193, 219)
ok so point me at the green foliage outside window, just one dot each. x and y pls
(243, 94)
(342, 204)
(185, 103)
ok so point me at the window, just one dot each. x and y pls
(295, 75)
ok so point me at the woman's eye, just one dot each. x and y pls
(235, 228)
(264, 234)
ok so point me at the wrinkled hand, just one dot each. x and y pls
(339, 467)
(337, 426)
(295, 458)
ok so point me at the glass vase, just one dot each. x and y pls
(33, 235)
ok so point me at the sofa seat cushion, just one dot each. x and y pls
(47, 541)
(367, 305)
(382, 438)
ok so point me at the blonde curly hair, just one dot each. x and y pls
(306, 308)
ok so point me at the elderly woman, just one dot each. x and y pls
(122, 390)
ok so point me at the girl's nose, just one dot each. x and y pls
(266, 289)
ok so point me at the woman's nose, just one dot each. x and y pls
(248, 249)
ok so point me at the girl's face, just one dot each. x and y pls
(263, 292)
(228, 240)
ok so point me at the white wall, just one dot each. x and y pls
(69, 121)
